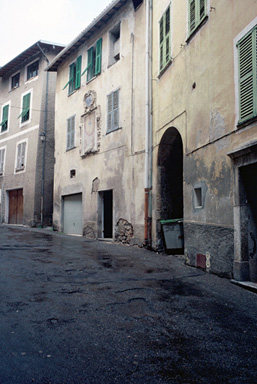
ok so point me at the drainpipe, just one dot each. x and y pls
(44, 145)
(148, 129)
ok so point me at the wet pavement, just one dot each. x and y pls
(89, 312)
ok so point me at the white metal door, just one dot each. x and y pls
(72, 214)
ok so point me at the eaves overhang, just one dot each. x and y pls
(100, 21)
(15, 63)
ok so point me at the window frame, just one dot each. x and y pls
(5, 118)
(27, 110)
(198, 19)
(74, 82)
(114, 113)
(70, 133)
(94, 60)
(247, 82)
(21, 158)
(2, 160)
(29, 78)
(11, 81)
(165, 39)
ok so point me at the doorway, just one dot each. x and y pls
(16, 206)
(105, 223)
(170, 179)
(248, 210)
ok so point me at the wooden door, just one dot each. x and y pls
(16, 207)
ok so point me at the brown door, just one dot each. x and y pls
(16, 207)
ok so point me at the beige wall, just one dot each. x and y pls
(30, 178)
(197, 95)
(119, 163)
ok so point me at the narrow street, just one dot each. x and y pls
(77, 311)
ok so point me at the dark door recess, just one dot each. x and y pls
(16, 207)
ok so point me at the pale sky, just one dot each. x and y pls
(24, 22)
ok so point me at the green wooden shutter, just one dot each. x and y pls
(162, 43)
(192, 15)
(90, 63)
(4, 123)
(202, 10)
(78, 72)
(167, 35)
(72, 78)
(25, 108)
(247, 76)
(98, 60)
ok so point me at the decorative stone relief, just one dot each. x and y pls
(90, 129)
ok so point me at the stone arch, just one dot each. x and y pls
(170, 179)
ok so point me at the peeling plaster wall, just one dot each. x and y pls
(118, 164)
(196, 94)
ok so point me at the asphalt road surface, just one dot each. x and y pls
(75, 311)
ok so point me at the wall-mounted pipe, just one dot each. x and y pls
(44, 144)
(148, 128)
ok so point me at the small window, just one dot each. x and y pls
(114, 38)
(94, 60)
(247, 63)
(198, 198)
(32, 70)
(197, 10)
(2, 157)
(113, 111)
(21, 152)
(25, 114)
(164, 28)
(15, 81)
(70, 133)
(5, 118)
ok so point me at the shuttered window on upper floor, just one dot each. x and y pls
(247, 70)
(165, 41)
(74, 76)
(70, 133)
(197, 10)
(94, 61)
(25, 114)
(21, 152)
(113, 111)
(5, 116)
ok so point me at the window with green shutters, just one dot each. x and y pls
(165, 51)
(25, 114)
(5, 115)
(247, 71)
(70, 133)
(113, 111)
(197, 10)
(2, 155)
(74, 76)
(94, 61)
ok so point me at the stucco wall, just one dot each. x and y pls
(118, 164)
(196, 94)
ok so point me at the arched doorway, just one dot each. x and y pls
(170, 180)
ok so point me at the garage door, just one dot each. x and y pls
(72, 214)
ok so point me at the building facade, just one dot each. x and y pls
(100, 127)
(204, 130)
(27, 96)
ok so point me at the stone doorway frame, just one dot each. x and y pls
(241, 157)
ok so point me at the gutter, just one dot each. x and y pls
(44, 144)
(148, 130)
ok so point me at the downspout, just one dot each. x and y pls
(148, 129)
(44, 145)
